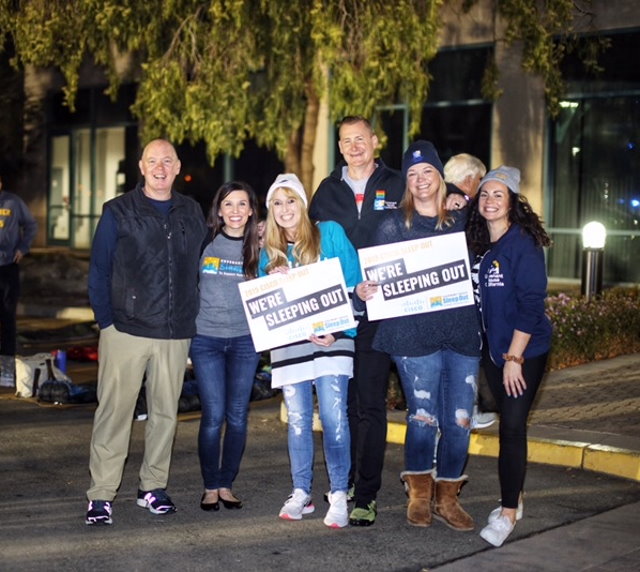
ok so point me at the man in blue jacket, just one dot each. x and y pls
(17, 230)
(144, 294)
(357, 194)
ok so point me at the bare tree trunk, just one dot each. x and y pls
(299, 157)
(34, 174)
(292, 158)
(309, 138)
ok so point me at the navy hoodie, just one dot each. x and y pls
(513, 288)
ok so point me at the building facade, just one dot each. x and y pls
(583, 165)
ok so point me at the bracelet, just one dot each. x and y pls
(508, 357)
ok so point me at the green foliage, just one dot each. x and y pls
(547, 32)
(199, 87)
(224, 70)
(585, 330)
(377, 55)
(221, 71)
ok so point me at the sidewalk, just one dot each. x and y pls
(585, 417)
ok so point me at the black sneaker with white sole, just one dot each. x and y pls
(99, 512)
(157, 501)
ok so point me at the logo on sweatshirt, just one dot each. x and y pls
(494, 277)
(216, 265)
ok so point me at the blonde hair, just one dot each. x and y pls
(461, 166)
(409, 209)
(306, 248)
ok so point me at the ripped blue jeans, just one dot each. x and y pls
(332, 404)
(440, 390)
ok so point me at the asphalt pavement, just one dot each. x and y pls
(581, 506)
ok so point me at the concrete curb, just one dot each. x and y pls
(578, 455)
(574, 454)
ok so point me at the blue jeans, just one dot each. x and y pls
(225, 369)
(332, 403)
(440, 390)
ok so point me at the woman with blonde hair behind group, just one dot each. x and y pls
(324, 362)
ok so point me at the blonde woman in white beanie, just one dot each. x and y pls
(324, 362)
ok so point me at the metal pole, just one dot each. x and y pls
(591, 283)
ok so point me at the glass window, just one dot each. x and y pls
(459, 128)
(258, 167)
(457, 73)
(93, 157)
(455, 117)
(59, 186)
(86, 170)
(595, 167)
(394, 125)
(82, 188)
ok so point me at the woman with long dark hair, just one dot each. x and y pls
(223, 355)
(507, 237)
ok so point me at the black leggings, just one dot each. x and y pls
(514, 412)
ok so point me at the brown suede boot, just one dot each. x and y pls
(419, 488)
(447, 508)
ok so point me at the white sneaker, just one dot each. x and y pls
(482, 420)
(496, 532)
(495, 513)
(338, 514)
(351, 493)
(296, 505)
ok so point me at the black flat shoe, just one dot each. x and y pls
(231, 503)
(209, 505)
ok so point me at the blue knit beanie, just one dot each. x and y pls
(421, 152)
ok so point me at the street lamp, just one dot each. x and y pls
(594, 235)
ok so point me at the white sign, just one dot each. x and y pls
(286, 308)
(418, 276)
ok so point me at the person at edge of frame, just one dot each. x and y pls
(18, 228)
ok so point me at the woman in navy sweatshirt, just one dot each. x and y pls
(507, 238)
